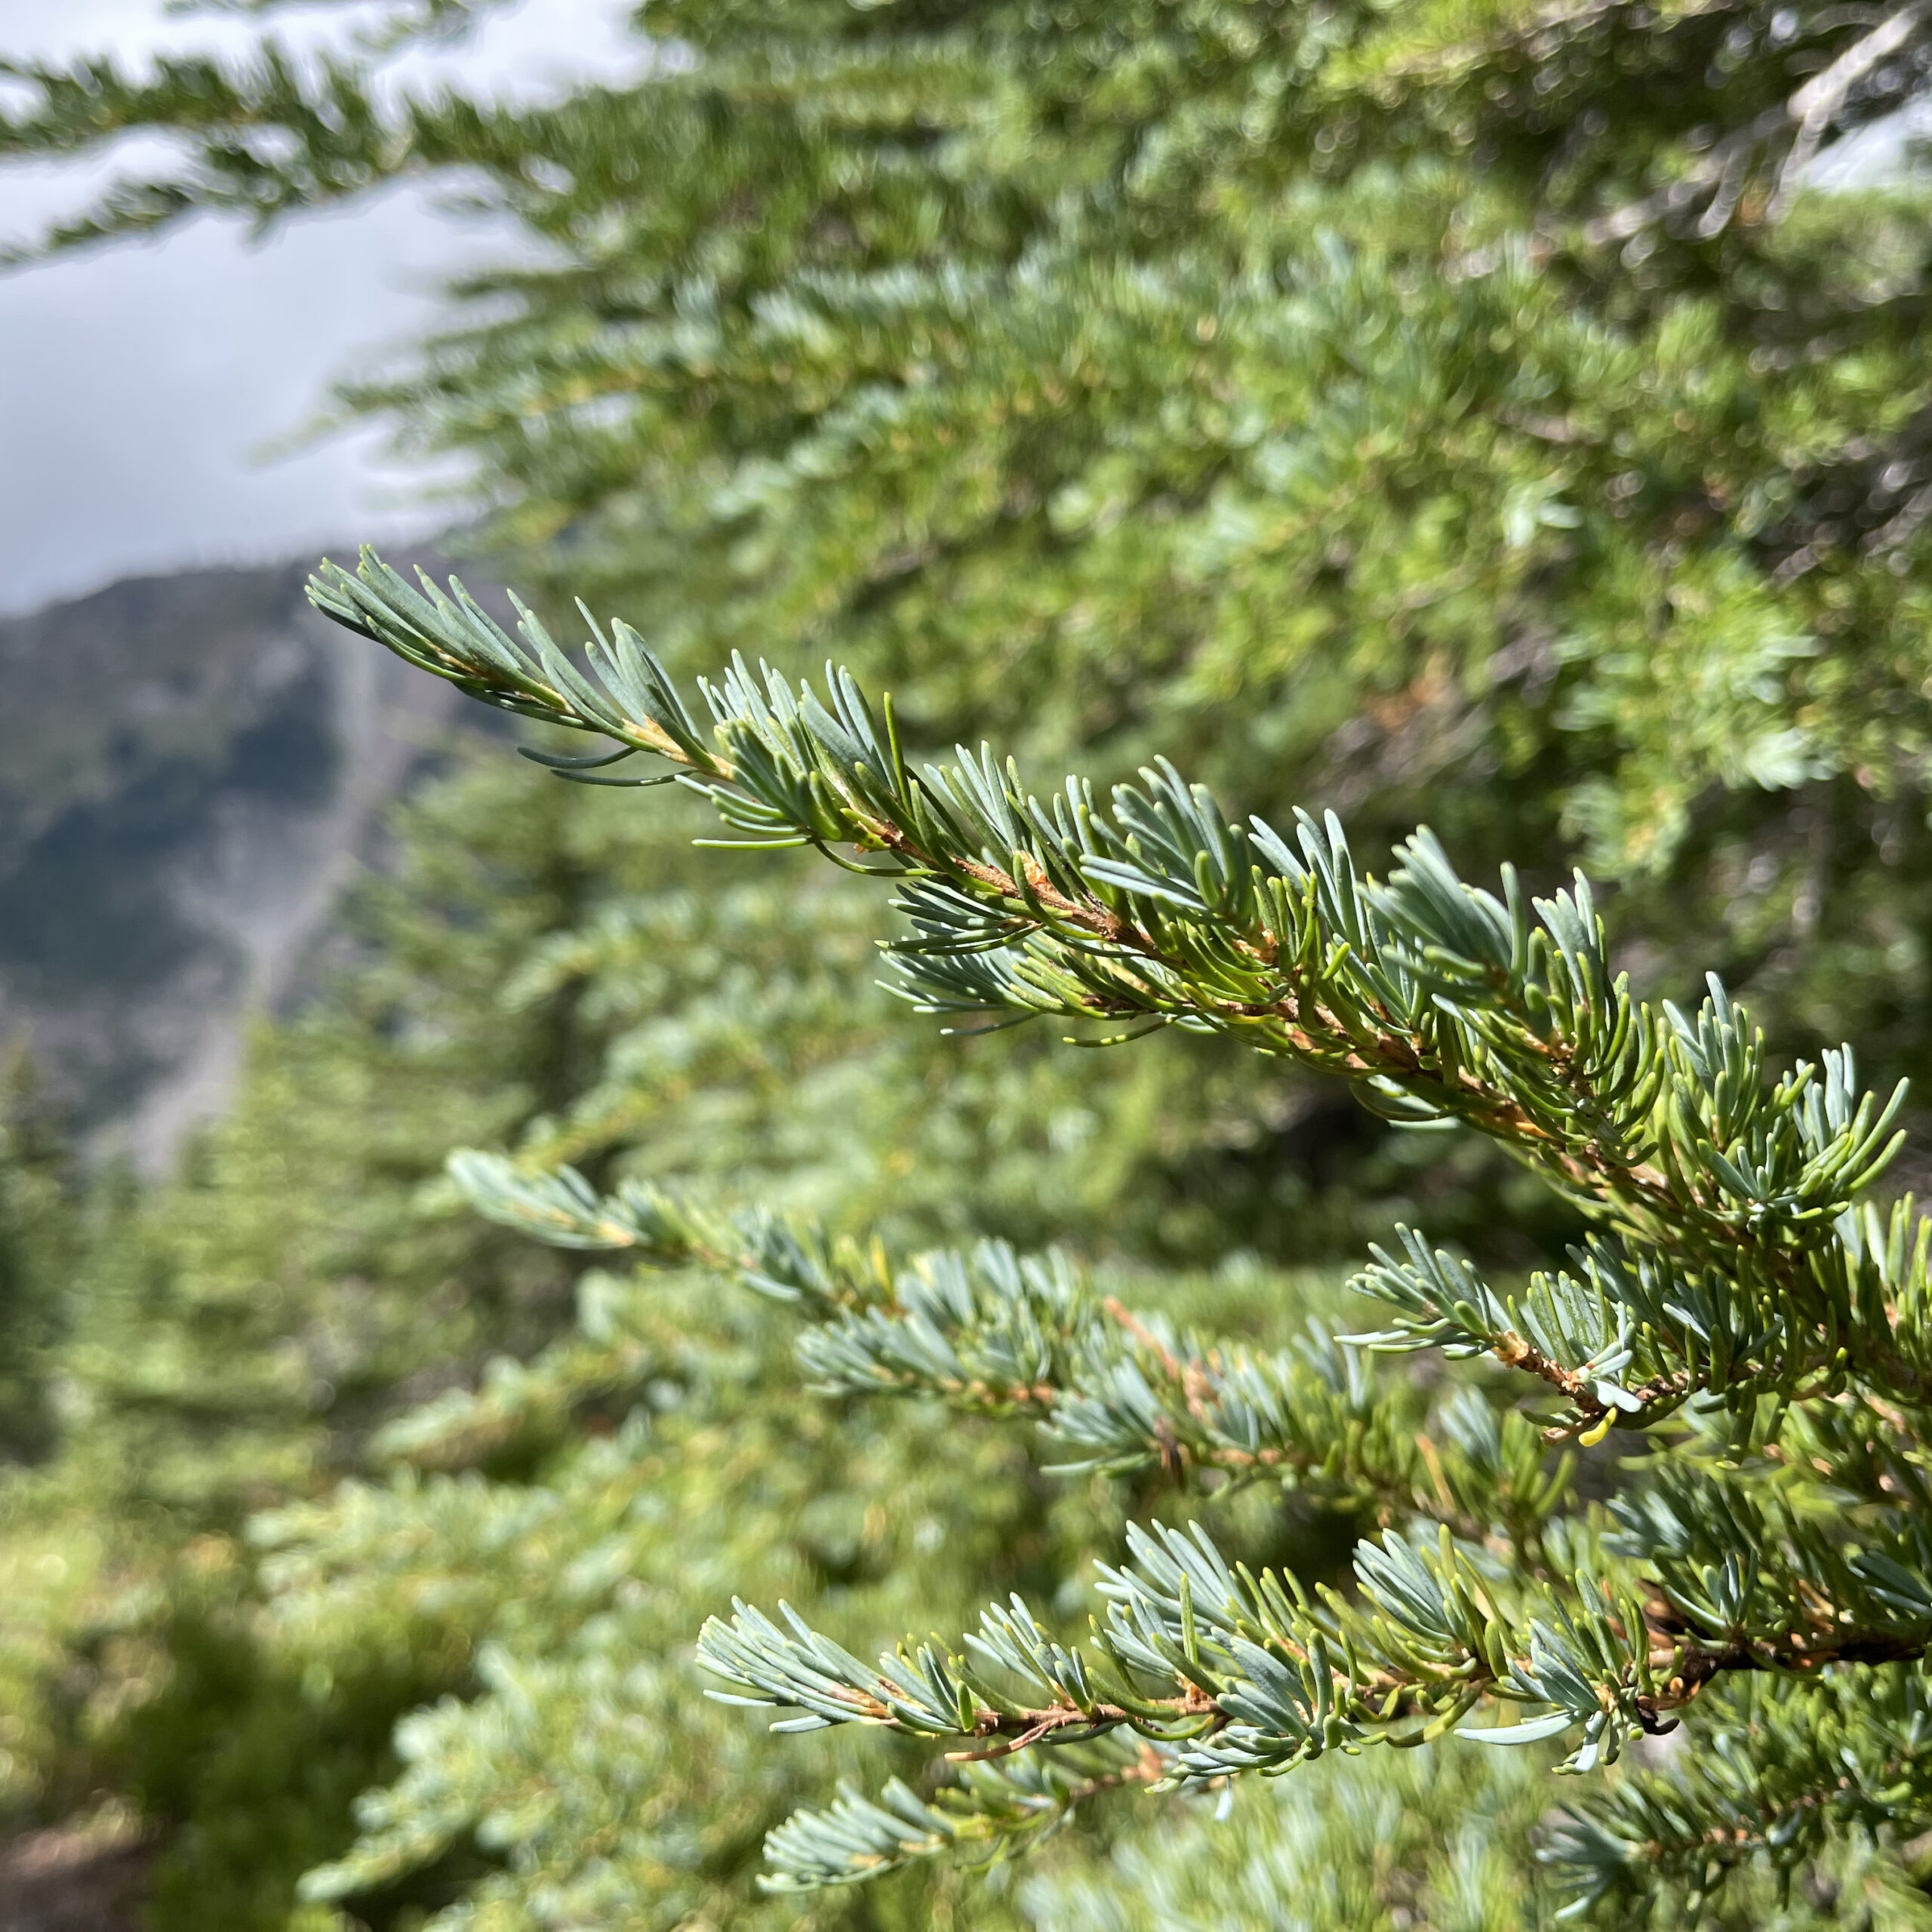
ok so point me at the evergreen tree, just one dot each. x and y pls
(1458, 403)
(1760, 1572)
(235, 1337)
(1450, 411)
(274, 1317)
(40, 1240)
(1457, 411)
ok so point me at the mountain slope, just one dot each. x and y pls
(188, 768)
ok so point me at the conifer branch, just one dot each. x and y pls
(1222, 1672)
(1632, 1335)
(1734, 1279)
(1705, 1580)
(283, 134)
(1441, 1002)
(1232, 1672)
(1782, 1766)
(1713, 186)
(993, 1332)
(994, 1809)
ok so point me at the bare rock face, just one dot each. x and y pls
(189, 767)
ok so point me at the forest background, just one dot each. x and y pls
(1464, 413)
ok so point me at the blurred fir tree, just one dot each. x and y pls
(1450, 411)
(40, 1244)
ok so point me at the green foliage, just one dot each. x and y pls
(249, 1755)
(1733, 1281)
(1323, 399)
(41, 1237)
(1423, 1837)
(235, 1338)
(1353, 1843)
(306, 1296)
(1186, 357)
(1451, 411)
(587, 1728)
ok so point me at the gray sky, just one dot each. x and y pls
(139, 384)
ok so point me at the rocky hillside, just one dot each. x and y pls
(189, 767)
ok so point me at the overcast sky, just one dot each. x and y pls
(139, 384)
